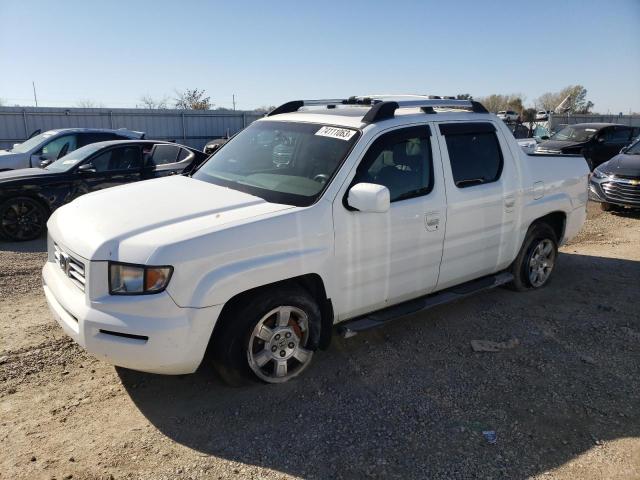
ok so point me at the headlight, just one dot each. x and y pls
(129, 279)
(599, 174)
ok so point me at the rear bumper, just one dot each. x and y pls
(148, 333)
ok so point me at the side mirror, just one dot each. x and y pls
(86, 168)
(624, 149)
(369, 197)
(45, 163)
(600, 139)
(15, 145)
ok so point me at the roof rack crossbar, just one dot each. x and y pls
(383, 109)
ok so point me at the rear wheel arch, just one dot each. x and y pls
(556, 220)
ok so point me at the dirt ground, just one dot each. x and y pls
(411, 400)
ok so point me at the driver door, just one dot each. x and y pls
(115, 166)
(386, 258)
(54, 149)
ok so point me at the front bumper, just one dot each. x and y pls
(148, 333)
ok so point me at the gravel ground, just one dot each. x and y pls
(411, 400)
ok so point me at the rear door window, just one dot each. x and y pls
(474, 153)
(164, 154)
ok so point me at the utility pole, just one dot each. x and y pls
(34, 92)
(234, 101)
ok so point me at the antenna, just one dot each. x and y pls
(35, 98)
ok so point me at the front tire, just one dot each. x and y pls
(270, 337)
(22, 219)
(534, 265)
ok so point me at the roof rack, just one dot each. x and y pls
(383, 107)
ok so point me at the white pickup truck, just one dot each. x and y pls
(352, 212)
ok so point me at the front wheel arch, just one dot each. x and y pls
(46, 211)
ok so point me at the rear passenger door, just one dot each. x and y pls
(166, 159)
(386, 258)
(481, 185)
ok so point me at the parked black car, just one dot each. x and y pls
(598, 142)
(616, 183)
(29, 195)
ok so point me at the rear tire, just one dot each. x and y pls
(270, 337)
(22, 219)
(536, 260)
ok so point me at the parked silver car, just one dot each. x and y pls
(47, 147)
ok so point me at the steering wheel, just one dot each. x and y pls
(321, 178)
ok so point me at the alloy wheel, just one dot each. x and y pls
(541, 262)
(276, 350)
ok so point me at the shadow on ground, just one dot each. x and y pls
(411, 400)
(31, 246)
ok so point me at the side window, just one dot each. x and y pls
(617, 135)
(164, 154)
(94, 137)
(474, 153)
(58, 147)
(401, 161)
(184, 153)
(118, 159)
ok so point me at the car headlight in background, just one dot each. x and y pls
(597, 173)
(129, 279)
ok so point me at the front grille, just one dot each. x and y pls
(621, 191)
(72, 267)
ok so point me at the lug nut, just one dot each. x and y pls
(282, 353)
(274, 348)
(288, 334)
(277, 336)
(291, 345)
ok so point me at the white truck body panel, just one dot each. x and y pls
(222, 242)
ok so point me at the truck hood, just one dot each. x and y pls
(129, 223)
(622, 165)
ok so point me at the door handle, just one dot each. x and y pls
(432, 221)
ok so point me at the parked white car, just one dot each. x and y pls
(508, 116)
(47, 147)
(542, 115)
(383, 208)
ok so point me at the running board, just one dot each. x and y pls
(382, 317)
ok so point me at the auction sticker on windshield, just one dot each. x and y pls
(334, 132)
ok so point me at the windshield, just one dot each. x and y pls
(280, 162)
(634, 149)
(72, 159)
(575, 134)
(32, 143)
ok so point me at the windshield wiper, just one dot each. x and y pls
(469, 182)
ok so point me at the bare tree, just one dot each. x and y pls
(264, 109)
(149, 102)
(496, 102)
(577, 102)
(87, 103)
(192, 100)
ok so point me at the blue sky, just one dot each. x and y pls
(267, 52)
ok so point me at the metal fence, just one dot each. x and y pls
(189, 127)
(556, 120)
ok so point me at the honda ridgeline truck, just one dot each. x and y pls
(335, 212)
